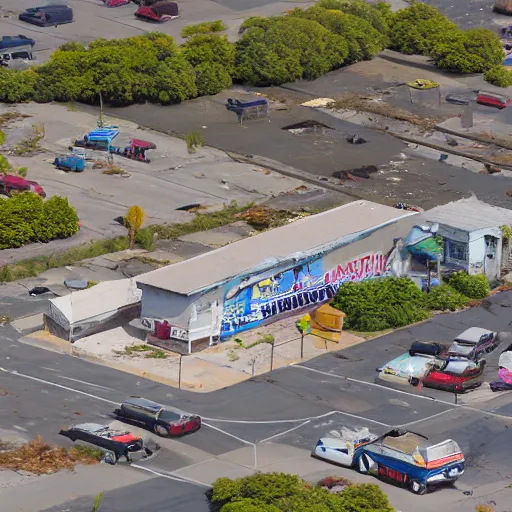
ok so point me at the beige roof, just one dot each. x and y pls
(469, 215)
(298, 239)
(101, 299)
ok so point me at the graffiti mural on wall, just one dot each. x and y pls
(255, 299)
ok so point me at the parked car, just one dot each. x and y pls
(10, 183)
(158, 11)
(71, 162)
(493, 100)
(48, 15)
(8, 42)
(398, 456)
(473, 343)
(164, 421)
(430, 364)
(115, 443)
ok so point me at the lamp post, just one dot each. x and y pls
(179, 373)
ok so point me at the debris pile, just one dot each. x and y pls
(41, 458)
(263, 217)
(357, 174)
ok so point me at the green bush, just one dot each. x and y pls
(470, 51)
(364, 41)
(25, 218)
(377, 15)
(474, 286)
(445, 298)
(498, 76)
(415, 29)
(378, 304)
(280, 492)
(284, 49)
(144, 238)
(17, 86)
(207, 27)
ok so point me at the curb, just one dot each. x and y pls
(76, 352)
(32, 328)
(472, 136)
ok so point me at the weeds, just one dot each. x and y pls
(96, 506)
(368, 103)
(201, 222)
(194, 140)
(31, 143)
(34, 266)
(8, 117)
(40, 458)
(4, 319)
(207, 27)
(148, 351)
(266, 338)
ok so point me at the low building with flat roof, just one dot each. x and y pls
(282, 271)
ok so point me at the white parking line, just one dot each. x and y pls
(374, 384)
(54, 384)
(285, 432)
(431, 399)
(410, 423)
(86, 383)
(227, 433)
(171, 477)
(270, 422)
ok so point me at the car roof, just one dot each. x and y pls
(333, 442)
(473, 334)
(406, 443)
(154, 407)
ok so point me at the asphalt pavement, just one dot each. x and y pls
(291, 407)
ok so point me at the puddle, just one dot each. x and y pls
(305, 127)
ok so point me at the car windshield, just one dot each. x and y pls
(169, 416)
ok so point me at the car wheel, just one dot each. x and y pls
(109, 458)
(161, 431)
(417, 487)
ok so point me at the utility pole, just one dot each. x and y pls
(179, 373)
(272, 356)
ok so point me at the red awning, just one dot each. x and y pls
(143, 144)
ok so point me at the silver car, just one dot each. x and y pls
(473, 343)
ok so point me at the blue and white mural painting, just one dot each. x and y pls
(249, 302)
(263, 296)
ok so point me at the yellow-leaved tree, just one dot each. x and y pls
(133, 221)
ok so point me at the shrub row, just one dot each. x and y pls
(392, 302)
(304, 44)
(26, 218)
(276, 492)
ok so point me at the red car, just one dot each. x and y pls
(158, 12)
(493, 100)
(10, 183)
(164, 421)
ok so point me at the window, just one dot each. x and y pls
(457, 250)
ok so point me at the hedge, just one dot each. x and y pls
(379, 304)
(303, 44)
(26, 218)
(474, 286)
(280, 492)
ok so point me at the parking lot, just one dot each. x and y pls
(272, 422)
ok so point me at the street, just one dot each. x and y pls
(271, 422)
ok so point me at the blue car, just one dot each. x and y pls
(398, 456)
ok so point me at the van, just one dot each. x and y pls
(48, 15)
(18, 54)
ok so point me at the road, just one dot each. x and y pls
(275, 418)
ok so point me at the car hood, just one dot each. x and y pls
(461, 350)
(409, 366)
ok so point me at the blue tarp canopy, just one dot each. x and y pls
(103, 134)
(508, 60)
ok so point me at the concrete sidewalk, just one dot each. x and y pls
(214, 368)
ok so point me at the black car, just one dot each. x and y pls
(164, 421)
(116, 443)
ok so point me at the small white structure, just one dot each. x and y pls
(104, 306)
(472, 235)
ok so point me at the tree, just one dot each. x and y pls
(134, 220)
(415, 29)
(476, 50)
(363, 39)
